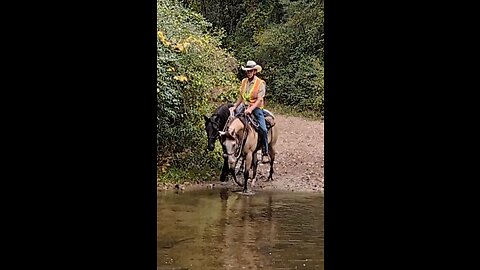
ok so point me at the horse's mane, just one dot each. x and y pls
(243, 119)
(246, 126)
(222, 113)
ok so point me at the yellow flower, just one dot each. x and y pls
(163, 38)
(182, 47)
(181, 78)
(179, 47)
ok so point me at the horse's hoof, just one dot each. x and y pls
(179, 187)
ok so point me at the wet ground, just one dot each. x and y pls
(220, 228)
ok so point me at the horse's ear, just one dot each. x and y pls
(206, 118)
(215, 119)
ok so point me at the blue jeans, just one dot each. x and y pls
(263, 127)
(239, 109)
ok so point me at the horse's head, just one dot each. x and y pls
(230, 143)
(211, 126)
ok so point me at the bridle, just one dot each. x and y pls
(236, 151)
(238, 146)
(216, 136)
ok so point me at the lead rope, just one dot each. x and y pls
(245, 131)
(230, 117)
(239, 149)
(244, 139)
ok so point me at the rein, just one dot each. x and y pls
(244, 137)
(237, 151)
(230, 118)
(248, 120)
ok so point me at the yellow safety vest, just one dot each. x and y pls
(251, 98)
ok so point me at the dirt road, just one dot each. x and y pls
(298, 163)
(299, 160)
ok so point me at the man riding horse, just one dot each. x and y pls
(252, 92)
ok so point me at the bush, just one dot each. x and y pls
(285, 37)
(192, 73)
(292, 54)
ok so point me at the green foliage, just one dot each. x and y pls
(195, 71)
(192, 70)
(292, 54)
(291, 111)
(201, 167)
(285, 37)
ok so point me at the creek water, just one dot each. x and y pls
(224, 229)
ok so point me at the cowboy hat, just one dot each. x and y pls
(252, 65)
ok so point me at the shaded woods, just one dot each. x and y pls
(200, 47)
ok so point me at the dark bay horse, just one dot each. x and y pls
(216, 123)
(213, 125)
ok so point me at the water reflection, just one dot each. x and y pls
(221, 229)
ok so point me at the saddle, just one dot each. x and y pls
(269, 120)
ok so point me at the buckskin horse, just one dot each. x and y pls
(242, 139)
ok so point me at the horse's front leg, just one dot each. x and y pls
(254, 166)
(224, 174)
(272, 159)
(246, 173)
(241, 170)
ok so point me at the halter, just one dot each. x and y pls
(213, 137)
(237, 151)
(239, 147)
(248, 121)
